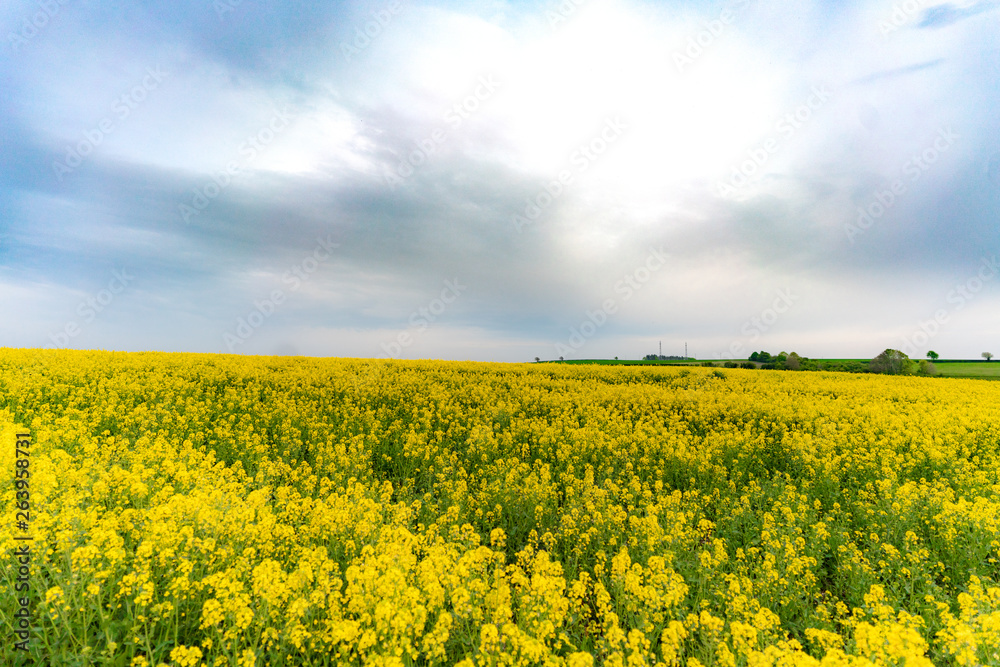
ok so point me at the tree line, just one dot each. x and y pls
(888, 362)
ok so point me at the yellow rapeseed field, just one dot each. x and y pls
(224, 510)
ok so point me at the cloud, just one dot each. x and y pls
(324, 174)
(948, 14)
(899, 71)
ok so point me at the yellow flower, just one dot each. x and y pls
(186, 656)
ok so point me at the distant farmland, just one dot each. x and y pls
(984, 370)
(987, 370)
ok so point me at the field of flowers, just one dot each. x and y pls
(224, 510)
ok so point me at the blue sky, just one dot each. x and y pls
(501, 180)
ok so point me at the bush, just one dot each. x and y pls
(731, 364)
(748, 364)
(707, 364)
(891, 362)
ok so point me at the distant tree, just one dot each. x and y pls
(932, 355)
(764, 357)
(537, 360)
(754, 356)
(616, 358)
(561, 359)
(793, 362)
(891, 362)
(987, 355)
(926, 368)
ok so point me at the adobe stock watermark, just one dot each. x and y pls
(786, 127)
(902, 13)
(580, 160)
(913, 169)
(372, 28)
(122, 107)
(92, 306)
(264, 308)
(626, 289)
(760, 324)
(711, 31)
(457, 114)
(421, 319)
(248, 151)
(223, 7)
(958, 296)
(562, 13)
(32, 25)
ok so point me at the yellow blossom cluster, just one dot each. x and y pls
(213, 510)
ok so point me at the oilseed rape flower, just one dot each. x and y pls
(226, 510)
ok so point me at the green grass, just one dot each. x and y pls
(989, 370)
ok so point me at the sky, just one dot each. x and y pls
(500, 181)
